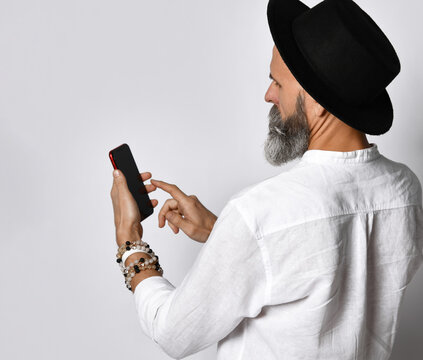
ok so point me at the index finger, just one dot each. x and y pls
(172, 189)
(145, 175)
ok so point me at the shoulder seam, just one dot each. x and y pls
(264, 256)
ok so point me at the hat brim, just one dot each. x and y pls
(373, 119)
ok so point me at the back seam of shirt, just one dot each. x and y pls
(375, 209)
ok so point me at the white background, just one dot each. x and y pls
(183, 83)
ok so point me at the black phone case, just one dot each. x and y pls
(122, 159)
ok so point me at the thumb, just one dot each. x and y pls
(119, 180)
(177, 220)
(118, 176)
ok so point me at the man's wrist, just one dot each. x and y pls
(124, 236)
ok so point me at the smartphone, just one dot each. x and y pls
(122, 159)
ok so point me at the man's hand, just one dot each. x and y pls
(127, 216)
(185, 212)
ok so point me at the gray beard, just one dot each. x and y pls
(287, 139)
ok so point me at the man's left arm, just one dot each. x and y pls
(127, 219)
(227, 283)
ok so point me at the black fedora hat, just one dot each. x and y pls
(340, 56)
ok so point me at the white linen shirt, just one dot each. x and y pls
(309, 264)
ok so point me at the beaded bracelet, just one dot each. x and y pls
(139, 244)
(138, 266)
(133, 268)
(153, 258)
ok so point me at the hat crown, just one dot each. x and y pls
(346, 49)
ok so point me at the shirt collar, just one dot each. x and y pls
(327, 156)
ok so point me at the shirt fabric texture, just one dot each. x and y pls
(309, 264)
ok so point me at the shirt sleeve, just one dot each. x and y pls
(226, 284)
